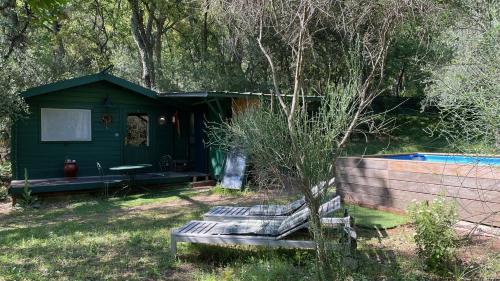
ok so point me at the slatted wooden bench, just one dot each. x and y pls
(228, 213)
(204, 232)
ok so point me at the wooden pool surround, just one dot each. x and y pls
(393, 185)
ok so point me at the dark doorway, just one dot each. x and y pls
(137, 138)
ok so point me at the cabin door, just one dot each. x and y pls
(199, 153)
(137, 138)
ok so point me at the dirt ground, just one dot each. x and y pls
(63, 200)
(5, 207)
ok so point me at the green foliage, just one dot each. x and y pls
(406, 74)
(299, 152)
(434, 233)
(46, 10)
(222, 191)
(12, 106)
(3, 192)
(409, 135)
(202, 48)
(5, 169)
(466, 89)
(277, 154)
(5, 174)
(27, 200)
(251, 130)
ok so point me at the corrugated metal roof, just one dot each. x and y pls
(221, 94)
(104, 76)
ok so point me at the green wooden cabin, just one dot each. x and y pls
(106, 119)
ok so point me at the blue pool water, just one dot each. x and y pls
(451, 159)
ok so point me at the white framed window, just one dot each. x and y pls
(58, 124)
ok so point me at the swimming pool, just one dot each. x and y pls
(451, 158)
(394, 182)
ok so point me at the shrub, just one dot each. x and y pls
(435, 236)
(4, 179)
(3, 193)
(27, 200)
(222, 191)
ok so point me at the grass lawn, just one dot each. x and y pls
(129, 239)
(410, 134)
(369, 218)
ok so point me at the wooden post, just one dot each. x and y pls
(173, 244)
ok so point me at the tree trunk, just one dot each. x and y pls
(142, 37)
(325, 271)
(204, 34)
(158, 45)
(399, 81)
(313, 202)
(324, 266)
(59, 51)
(13, 29)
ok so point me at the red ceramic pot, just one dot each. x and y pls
(70, 169)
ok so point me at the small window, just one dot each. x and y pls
(137, 129)
(59, 124)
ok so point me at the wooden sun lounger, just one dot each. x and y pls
(227, 213)
(230, 213)
(202, 232)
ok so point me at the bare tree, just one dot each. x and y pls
(364, 30)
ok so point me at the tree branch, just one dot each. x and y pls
(273, 71)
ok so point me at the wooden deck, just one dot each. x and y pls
(95, 182)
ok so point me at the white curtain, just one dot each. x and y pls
(66, 124)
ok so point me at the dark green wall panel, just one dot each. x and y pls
(217, 156)
(45, 159)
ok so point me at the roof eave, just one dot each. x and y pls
(222, 94)
(61, 85)
(85, 80)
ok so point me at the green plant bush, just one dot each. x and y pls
(435, 237)
(3, 193)
(27, 200)
(222, 191)
(5, 174)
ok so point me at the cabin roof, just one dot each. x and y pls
(105, 76)
(210, 94)
(221, 94)
(88, 79)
